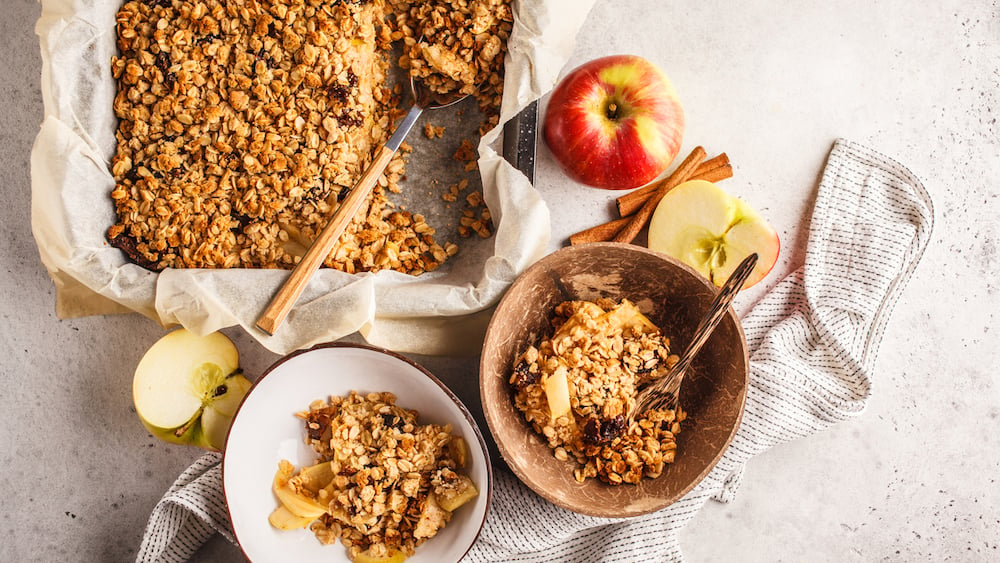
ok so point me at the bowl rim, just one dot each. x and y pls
(360, 346)
(493, 419)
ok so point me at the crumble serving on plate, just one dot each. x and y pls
(383, 483)
(577, 388)
(242, 125)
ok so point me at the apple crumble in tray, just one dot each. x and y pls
(243, 124)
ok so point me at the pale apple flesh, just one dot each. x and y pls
(460, 492)
(393, 556)
(615, 122)
(710, 230)
(187, 388)
(292, 499)
(219, 411)
(557, 394)
(283, 519)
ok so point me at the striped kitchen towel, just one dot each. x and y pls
(813, 341)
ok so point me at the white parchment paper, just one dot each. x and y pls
(443, 312)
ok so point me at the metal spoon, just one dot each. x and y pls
(663, 393)
(282, 302)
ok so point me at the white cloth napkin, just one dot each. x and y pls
(813, 341)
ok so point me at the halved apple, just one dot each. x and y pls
(187, 388)
(710, 230)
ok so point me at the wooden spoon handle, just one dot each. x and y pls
(320, 248)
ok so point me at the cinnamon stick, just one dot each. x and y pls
(712, 170)
(629, 206)
(721, 159)
(601, 233)
(715, 175)
(682, 173)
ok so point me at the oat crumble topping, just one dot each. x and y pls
(242, 125)
(601, 352)
(392, 481)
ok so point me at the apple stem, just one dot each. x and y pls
(612, 111)
(181, 430)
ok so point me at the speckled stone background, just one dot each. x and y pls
(772, 84)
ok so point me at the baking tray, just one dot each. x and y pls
(432, 170)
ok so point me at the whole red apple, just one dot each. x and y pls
(615, 122)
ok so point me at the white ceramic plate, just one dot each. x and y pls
(266, 430)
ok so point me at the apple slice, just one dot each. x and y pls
(187, 388)
(457, 493)
(314, 477)
(298, 504)
(458, 451)
(393, 556)
(283, 519)
(557, 393)
(706, 228)
(432, 518)
(627, 316)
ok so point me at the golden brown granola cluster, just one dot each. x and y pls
(600, 353)
(392, 476)
(242, 125)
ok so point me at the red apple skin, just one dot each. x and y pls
(615, 122)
